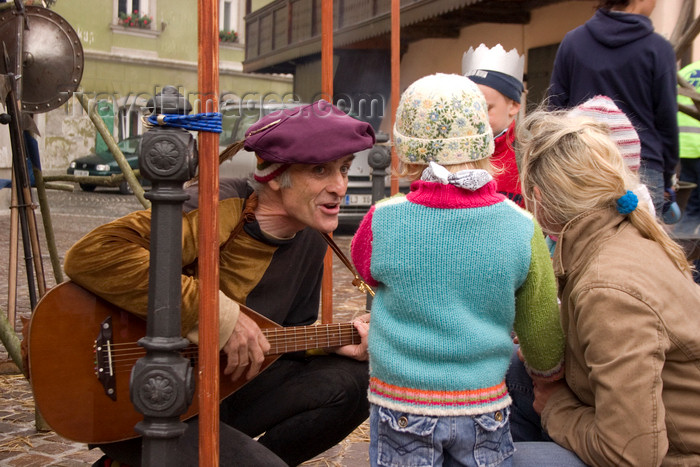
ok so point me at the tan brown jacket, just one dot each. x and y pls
(632, 324)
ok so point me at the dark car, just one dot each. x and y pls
(102, 164)
(237, 117)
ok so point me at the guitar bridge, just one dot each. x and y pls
(104, 366)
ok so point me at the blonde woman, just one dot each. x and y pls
(629, 306)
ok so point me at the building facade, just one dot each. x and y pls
(277, 54)
(130, 57)
(285, 36)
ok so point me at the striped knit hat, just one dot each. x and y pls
(266, 171)
(603, 110)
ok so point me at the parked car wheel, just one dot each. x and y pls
(87, 187)
(125, 188)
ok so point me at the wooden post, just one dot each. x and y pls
(208, 242)
(14, 254)
(48, 225)
(11, 342)
(395, 83)
(327, 90)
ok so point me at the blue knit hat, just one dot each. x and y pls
(501, 82)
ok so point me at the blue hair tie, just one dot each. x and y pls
(627, 203)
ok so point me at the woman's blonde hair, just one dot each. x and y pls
(577, 168)
(413, 172)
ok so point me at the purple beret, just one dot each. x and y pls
(310, 134)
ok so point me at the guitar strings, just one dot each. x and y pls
(282, 340)
(132, 351)
(123, 362)
(300, 338)
(289, 339)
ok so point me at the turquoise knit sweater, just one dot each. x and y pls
(456, 271)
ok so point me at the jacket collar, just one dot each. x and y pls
(583, 235)
(504, 141)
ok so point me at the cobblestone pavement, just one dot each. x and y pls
(74, 214)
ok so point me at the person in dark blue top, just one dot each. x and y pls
(616, 53)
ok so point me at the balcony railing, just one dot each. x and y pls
(296, 24)
(288, 29)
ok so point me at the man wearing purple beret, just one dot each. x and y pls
(271, 260)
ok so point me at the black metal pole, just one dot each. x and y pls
(379, 158)
(162, 383)
(19, 167)
(13, 80)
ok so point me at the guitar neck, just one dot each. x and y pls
(293, 339)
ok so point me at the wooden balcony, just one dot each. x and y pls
(288, 30)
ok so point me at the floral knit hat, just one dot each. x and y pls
(442, 118)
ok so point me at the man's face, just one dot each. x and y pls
(502, 110)
(316, 190)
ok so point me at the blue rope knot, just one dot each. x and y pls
(627, 203)
(209, 121)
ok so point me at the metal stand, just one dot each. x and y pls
(12, 95)
(162, 384)
(33, 80)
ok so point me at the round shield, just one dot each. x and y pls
(52, 57)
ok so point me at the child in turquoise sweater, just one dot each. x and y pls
(457, 268)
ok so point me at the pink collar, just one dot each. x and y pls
(437, 195)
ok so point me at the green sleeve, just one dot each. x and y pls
(537, 322)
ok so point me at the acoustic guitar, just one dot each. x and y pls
(81, 350)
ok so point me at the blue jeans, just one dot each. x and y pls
(544, 454)
(690, 222)
(690, 172)
(533, 447)
(399, 439)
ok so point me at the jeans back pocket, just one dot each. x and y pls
(493, 443)
(404, 439)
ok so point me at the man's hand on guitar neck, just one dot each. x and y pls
(245, 349)
(357, 351)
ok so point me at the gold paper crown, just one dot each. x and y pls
(495, 59)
